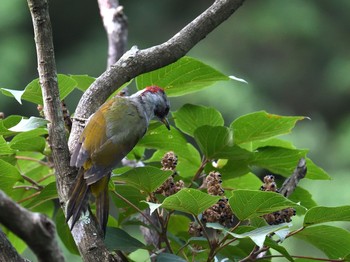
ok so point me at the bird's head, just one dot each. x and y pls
(155, 99)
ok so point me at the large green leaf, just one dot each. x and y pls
(278, 160)
(262, 125)
(216, 142)
(321, 214)
(30, 141)
(147, 179)
(159, 137)
(315, 172)
(333, 241)
(247, 204)
(5, 148)
(118, 239)
(64, 232)
(47, 194)
(247, 181)
(189, 117)
(187, 75)
(269, 242)
(132, 194)
(9, 176)
(7, 123)
(32, 91)
(190, 200)
(82, 81)
(302, 196)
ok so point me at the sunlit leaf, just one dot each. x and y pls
(147, 179)
(216, 142)
(253, 203)
(7, 123)
(321, 214)
(66, 85)
(47, 194)
(315, 172)
(83, 81)
(278, 160)
(30, 140)
(9, 176)
(190, 201)
(333, 241)
(187, 75)
(5, 148)
(302, 196)
(189, 117)
(262, 125)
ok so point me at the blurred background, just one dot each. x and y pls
(295, 56)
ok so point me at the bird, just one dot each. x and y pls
(109, 135)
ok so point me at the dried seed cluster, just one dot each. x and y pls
(280, 216)
(221, 211)
(170, 187)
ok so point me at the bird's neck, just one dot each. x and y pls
(145, 105)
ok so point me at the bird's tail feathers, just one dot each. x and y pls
(78, 201)
(102, 209)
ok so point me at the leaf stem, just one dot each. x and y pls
(200, 170)
(34, 160)
(32, 181)
(28, 198)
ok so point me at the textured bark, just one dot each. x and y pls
(291, 182)
(115, 23)
(8, 252)
(86, 235)
(35, 229)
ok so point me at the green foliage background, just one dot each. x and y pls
(294, 54)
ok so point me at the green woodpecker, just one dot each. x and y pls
(109, 135)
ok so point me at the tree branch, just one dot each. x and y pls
(115, 23)
(8, 252)
(90, 244)
(35, 229)
(291, 182)
(136, 62)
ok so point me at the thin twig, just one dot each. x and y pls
(291, 183)
(44, 178)
(27, 187)
(28, 197)
(33, 182)
(199, 171)
(34, 160)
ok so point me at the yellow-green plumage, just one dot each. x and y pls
(108, 137)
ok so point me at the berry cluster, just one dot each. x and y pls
(170, 187)
(281, 216)
(221, 211)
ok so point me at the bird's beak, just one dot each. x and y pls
(165, 121)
